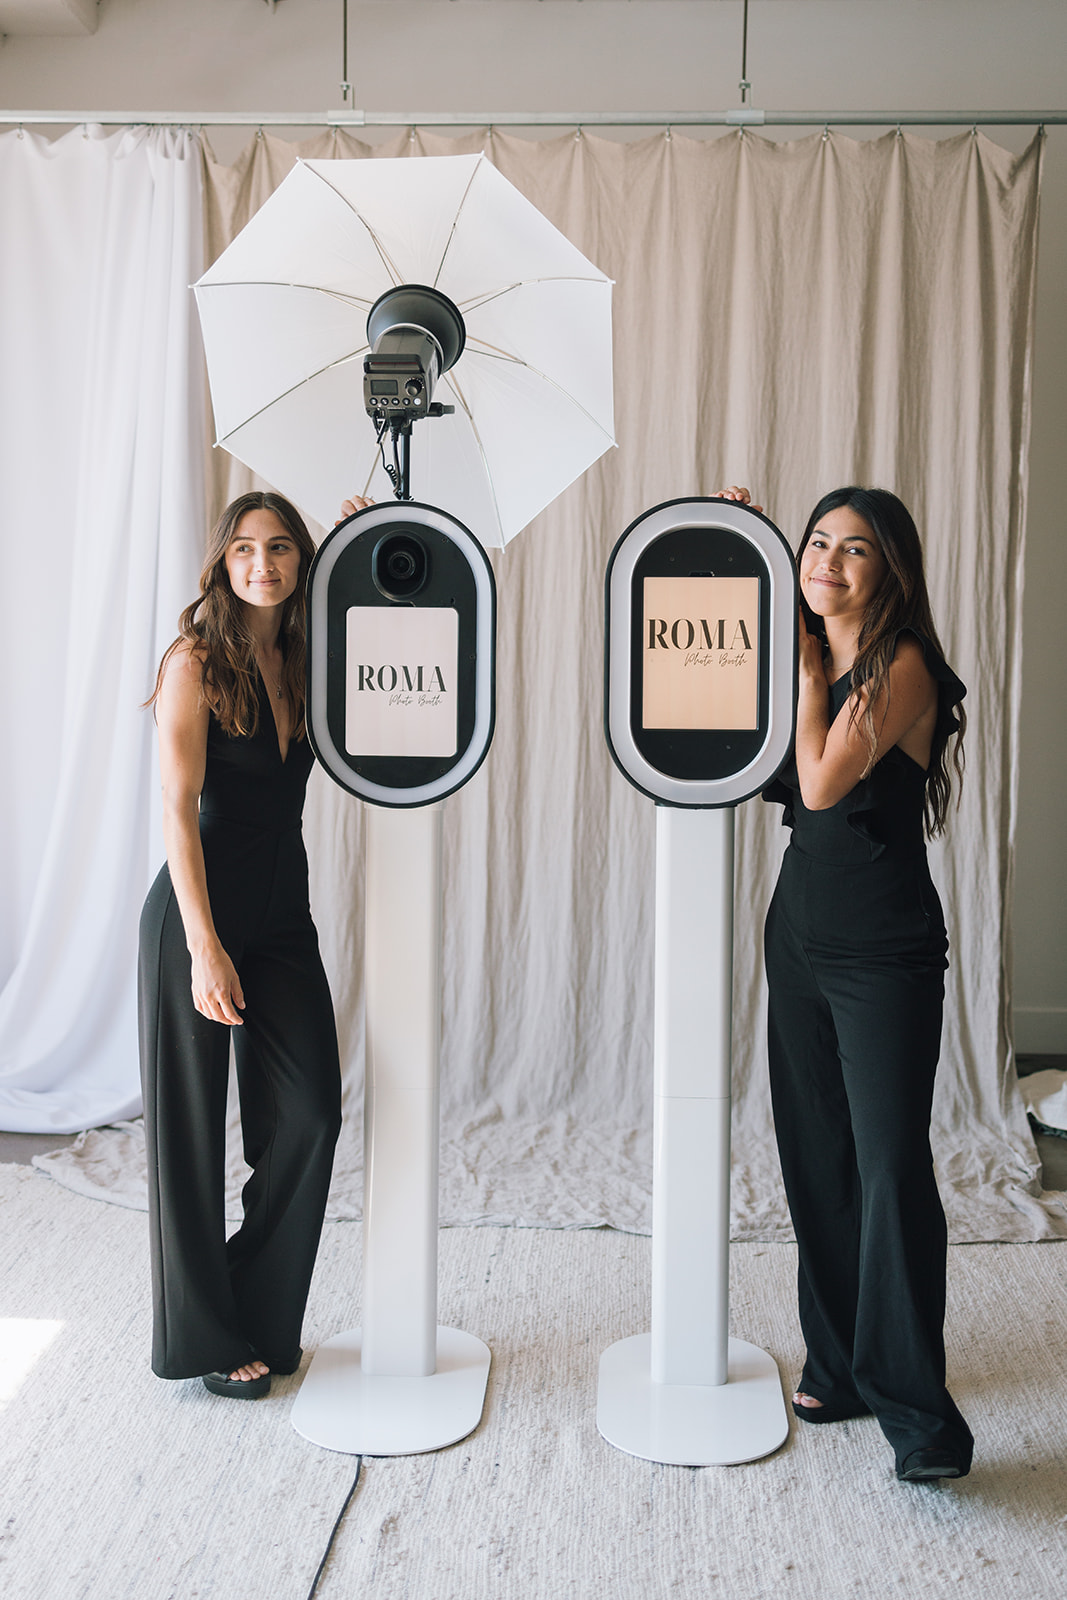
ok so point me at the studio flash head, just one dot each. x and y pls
(415, 334)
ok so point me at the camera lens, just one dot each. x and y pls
(400, 565)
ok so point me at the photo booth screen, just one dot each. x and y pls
(700, 661)
(402, 672)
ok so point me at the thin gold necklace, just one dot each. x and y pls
(279, 693)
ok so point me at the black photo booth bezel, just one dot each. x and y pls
(705, 767)
(697, 753)
(347, 571)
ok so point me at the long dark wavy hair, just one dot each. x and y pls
(216, 627)
(902, 601)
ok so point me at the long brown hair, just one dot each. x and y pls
(216, 628)
(902, 602)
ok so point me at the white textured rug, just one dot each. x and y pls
(562, 1173)
(116, 1486)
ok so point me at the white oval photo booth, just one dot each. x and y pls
(700, 696)
(400, 711)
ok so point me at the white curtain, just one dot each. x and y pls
(101, 520)
(793, 316)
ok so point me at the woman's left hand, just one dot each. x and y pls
(349, 508)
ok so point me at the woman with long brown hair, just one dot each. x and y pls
(228, 948)
(856, 952)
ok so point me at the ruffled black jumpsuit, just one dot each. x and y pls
(856, 955)
(220, 1303)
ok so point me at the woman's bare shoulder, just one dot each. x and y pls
(184, 663)
(181, 683)
(909, 661)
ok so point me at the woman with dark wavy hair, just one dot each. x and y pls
(228, 949)
(856, 955)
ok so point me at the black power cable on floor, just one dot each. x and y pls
(336, 1526)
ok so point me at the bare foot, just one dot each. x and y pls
(807, 1400)
(254, 1369)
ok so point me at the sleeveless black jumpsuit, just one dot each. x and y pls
(218, 1303)
(856, 954)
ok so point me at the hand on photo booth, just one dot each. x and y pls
(349, 508)
(736, 492)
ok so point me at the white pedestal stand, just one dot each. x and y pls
(687, 1394)
(400, 1384)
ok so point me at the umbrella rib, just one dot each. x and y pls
(370, 475)
(293, 387)
(277, 283)
(517, 361)
(455, 221)
(524, 283)
(387, 261)
(450, 381)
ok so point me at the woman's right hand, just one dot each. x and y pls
(358, 502)
(217, 992)
(736, 492)
(810, 657)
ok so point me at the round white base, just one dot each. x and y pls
(343, 1408)
(691, 1425)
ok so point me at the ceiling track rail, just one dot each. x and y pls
(744, 116)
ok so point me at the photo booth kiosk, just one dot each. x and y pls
(401, 635)
(701, 651)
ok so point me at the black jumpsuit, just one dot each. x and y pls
(220, 1303)
(856, 955)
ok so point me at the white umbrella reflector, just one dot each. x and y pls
(284, 313)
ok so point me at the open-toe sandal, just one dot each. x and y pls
(841, 1410)
(237, 1388)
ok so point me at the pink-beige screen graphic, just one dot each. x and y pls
(400, 681)
(701, 653)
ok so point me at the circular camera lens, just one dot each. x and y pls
(400, 566)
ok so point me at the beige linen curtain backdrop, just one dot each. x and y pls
(792, 316)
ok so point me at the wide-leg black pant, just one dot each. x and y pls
(218, 1303)
(855, 967)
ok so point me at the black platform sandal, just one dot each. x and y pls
(929, 1464)
(237, 1388)
(830, 1410)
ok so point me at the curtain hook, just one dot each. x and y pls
(259, 133)
(578, 133)
(668, 134)
(21, 135)
(900, 131)
(825, 132)
(411, 134)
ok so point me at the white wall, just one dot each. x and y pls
(587, 55)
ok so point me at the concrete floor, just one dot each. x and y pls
(22, 1147)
